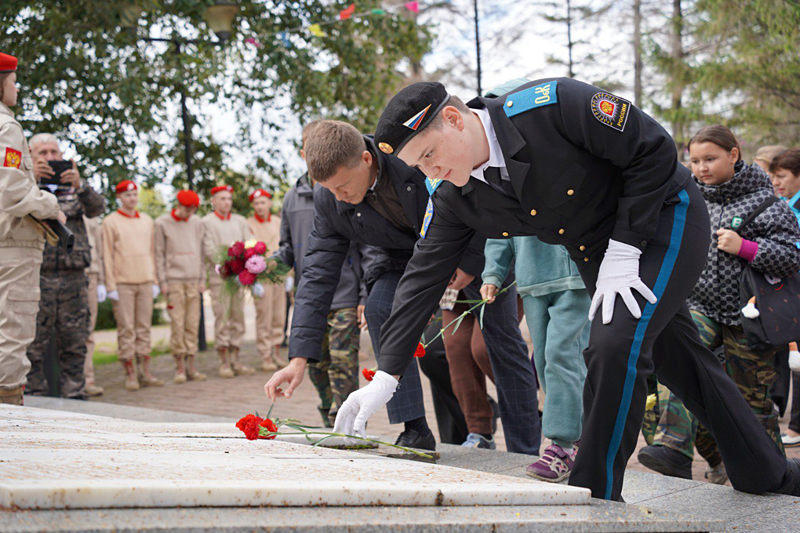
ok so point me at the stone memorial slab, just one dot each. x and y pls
(59, 460)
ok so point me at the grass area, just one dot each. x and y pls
(105, 352)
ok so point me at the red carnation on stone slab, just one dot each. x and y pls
(270, 426)
(420, 351)
(249, 425)
(260, 248)
(246, 277)
(368, 374)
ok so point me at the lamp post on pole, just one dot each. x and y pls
(220, 17)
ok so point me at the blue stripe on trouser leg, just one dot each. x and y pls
(678, 223)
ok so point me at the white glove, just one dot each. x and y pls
(258, 290)
(156, 291)
(619, 273)
(113, 295)
(794, 361)
(359, 406)
(289, 283)
(102, 293)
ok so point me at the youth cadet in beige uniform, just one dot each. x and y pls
(271, 307)
(21, 244)
(223, 228)
(97, 295)
(129, 256)
(179, 267)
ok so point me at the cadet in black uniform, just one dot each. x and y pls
(577, 166)
(367, 196)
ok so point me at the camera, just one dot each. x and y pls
(58, 168)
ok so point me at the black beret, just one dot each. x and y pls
(408, 113)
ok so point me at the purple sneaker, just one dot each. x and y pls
(554, 465)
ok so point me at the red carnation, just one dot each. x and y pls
(270, 426)
(249, 426)
(250, 252)
(238, 248)
(236, 266)
(260, 248)
(225, 271)
(246, 277)
(368, 374)
(420, 351)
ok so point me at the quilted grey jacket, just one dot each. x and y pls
(716, 294)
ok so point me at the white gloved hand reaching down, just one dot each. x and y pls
(361, 404)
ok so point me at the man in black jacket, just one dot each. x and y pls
(576, 166)
(373, 198)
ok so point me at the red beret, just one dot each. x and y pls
(125, 186)
(7, 63)
(220, 188)
(188, 198)
(258, 193)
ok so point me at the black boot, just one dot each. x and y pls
(410, 438)
(666, 461)
(791, 482)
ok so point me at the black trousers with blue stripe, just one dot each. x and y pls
(623, 353)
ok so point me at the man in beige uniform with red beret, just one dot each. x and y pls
(179, 267)
(223, 228)
(271, 306)
(129, 256)
(21, 244)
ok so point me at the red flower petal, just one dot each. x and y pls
(270, 426)
(420, 351)
(368, 374)
(249, 426)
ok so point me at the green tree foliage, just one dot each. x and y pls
(739, 66)
(111, 94)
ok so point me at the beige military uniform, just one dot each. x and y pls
(179, 267)
(97, 276)
(21, 248)
(129, 260)
(228, 311)
(271, 308)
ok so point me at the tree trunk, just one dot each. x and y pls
(676, 53)
(569, 39)
(637, 53)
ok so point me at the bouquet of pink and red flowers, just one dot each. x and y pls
(247, 265)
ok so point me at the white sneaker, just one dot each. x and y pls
(476, 440)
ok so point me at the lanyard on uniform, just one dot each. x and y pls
(431, 185)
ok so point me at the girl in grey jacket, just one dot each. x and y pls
(732, 190)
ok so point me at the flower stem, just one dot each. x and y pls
(465, 313)
(332, 434)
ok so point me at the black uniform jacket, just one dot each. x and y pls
(337, 224)
(580, 178)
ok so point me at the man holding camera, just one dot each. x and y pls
(64, 305)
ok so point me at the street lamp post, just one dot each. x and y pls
(220, 17)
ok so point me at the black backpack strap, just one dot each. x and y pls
(758, 210)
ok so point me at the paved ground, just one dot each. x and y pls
(236, 397)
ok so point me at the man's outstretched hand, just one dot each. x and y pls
(292, 374)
